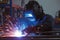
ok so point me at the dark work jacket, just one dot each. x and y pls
(47, 23)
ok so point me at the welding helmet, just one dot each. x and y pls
(33, 5)
(36, 8)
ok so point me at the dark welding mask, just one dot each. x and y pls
(33, 5)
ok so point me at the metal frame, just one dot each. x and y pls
(10, 5)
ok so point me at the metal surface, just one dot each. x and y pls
(33, 38)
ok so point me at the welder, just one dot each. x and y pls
(40, 21)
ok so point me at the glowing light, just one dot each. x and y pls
(28, 15)
(19, 34)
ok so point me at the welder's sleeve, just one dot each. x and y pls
(48, 23)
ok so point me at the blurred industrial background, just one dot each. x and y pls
(20, 16)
